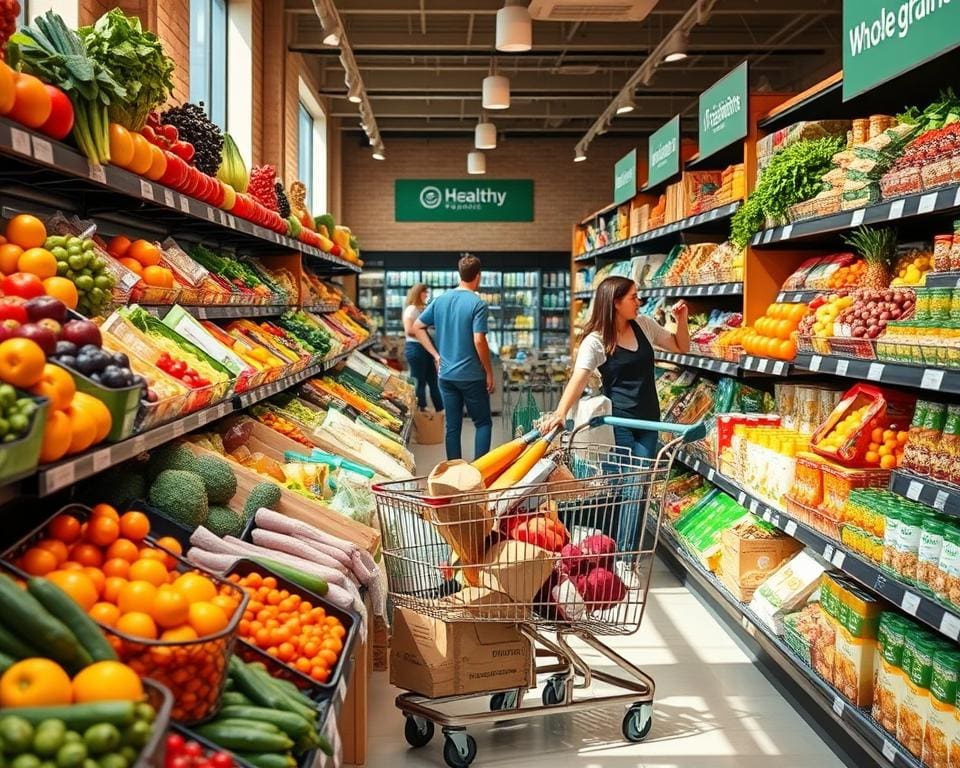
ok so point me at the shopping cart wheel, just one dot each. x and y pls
(459, 749)
(637, 722)
(417, 731)
(553, 691)
(503, 700)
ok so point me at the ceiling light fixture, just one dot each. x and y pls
(331, 27)
(476, 163)
(626, 105)
(485, 136)
(496, 92)
(379, 153)
(354, 91)
(580, 156)
(676, 47)
(514, 27)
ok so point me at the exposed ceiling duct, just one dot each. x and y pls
(591, 10)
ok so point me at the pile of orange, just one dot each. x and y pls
(886, 447)
(76, 421)
(130, 150)
(775, 334)
(143, 258)
(289, 628)
(849, 276)
(41, 682)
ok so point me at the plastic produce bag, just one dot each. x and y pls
(353, 496)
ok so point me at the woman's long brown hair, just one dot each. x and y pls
(415, 295)
(603, 316)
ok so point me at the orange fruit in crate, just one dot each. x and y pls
(102, 531)
(35, 682)
(888, 462)
(26, 231)
(182, 634)
(134, 525)
(171, 544)
(9, 256)
(105, 509)
(137, 624)
(116, 566)
(105, 681)
(97, 577)
(38, 562)
(149, 570)
(86, 554)
(144, 252)
(207, 619)
(97, 410)
(136, 596)
(132, 264)
(123, 549)
(58, 548)
(78, 585)
(195, 587)
(105, 613)
(112, 587)
(149, 553)
(158, 277)
(170, 608)
(118, 245)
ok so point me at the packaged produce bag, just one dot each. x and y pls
(517, 569)
(430, 427)
(460, 512)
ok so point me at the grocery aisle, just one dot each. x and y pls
(713, 706)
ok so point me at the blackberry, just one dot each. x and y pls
(283, 204)
(194, 126)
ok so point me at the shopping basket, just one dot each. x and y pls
(605, 499)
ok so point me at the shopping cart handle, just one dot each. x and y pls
(689, 432)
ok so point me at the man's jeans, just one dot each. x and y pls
(473, 395)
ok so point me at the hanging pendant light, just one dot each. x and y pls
(580, 156)
(485, 136)
(476, 163)
(626, 104)
(353, 91)
(496, 92)
(379, 153)
(514, 28)
(676, 47)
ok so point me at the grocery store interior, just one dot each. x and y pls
(250, 249)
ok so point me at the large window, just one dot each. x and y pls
(24, 15)
(208, 57)
(305, 152)
(312, 150)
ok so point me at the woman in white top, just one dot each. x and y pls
(620, 345)
(422, 366)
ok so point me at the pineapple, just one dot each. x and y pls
(878, 247)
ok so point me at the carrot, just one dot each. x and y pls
(492, 463)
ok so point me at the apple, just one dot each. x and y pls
(8, 329)
(50, 324)
(81, 332)
(46, 307)
(41, 336)
(13, 308)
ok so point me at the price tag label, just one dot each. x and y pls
(96, 173)
(21, 141)
(913, 490)
(768, 236)
(856, 218)
(42, 150)
(60, 477)
(889, 751)
(828, 552)
(146, 189)
(168, 199)
(941, 500)
(838, 706)
(815, 361)
(178, 427)
(896, 210)
(927, 203)
(950, 625)
(910, 602)
(842, 366)
(875, 372)
(741, 497)
(101, 460)
(711, 474)
(778, 368)
(787, 231)
(766, 515)
(790, 528)
(210, 216)
(762, 365)
(838, 558)
(753, 506)
(932, 379)
(184, 204)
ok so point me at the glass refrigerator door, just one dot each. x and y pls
(370, 295)
(398, 282)
(555, 309)
(520, 296)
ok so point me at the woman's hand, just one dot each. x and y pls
(551, 421)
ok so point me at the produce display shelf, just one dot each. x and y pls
(799, 297)
(62, 161)
(885, 584)
(945, 498)
(765, 365)
(881, 747)
(407, 429)
(724, 367)
(718, 214)
(583, 294)
(223, 312)
(325, 309)
(921, 204)
(943, 280)
(682, 291)
(896, 374)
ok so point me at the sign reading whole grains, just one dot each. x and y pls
(625, 177)
(723, 112)
(663, 152)
(463, 200)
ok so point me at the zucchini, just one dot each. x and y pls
(266, 759)
(12, 645)
(46, 632)
(235, 698)
(290, 723)
(244, 738)
(66, 609)
(79, 717)
(311, 583)
(254, 725)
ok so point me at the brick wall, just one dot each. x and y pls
(173, 27)
(564, 192)
(257, 85)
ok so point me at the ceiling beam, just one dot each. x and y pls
(348, 8)
(429, 108)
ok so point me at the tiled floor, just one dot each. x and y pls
(713, 708)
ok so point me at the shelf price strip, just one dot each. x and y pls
(933, 379)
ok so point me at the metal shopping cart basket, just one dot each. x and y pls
(605, 502)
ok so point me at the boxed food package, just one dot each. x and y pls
(786, 589)
(516, 569)
(890, 680)
(751, 551)
(461, 514)
(941, 724)
(700, 527)
(436, 658)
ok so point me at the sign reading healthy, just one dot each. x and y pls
(466, 200)
(723, 112)
(882, 39)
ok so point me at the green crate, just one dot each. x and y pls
(123, 404)
(19, 458)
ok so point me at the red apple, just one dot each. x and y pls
(8, 329)
(44, 338)
(13, 308)
(81, 332)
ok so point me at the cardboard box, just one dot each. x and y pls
(430, 427)
(517, 569)
(745, 563)
(483, 603)
(436, 658)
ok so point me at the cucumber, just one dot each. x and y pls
(254, 725)
(46, 632)
(79, 717)
(6, 662)
(266, 759)
(291, 702)
(250, 685)
(235, 698)
(292, 724)
(311, 583)
(61, 605)
(243, 738)
(12, 645)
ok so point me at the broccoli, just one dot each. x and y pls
(171, 456)
(180, 495)
(263, 495)
(223, 521)
(218, 478)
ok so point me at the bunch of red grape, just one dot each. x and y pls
(9, 12)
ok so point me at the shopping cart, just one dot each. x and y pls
(607, 500)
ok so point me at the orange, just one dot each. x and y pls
(153, 571)
(73, 565)
(107, 680)
(9, 256)
(227, 603)
(38, 562)
(105, 509)
(170, 608)
(35, 683)
(145, 252)
(121, 146)
(78, 585)
(116, 566)
(7, 92)
(872, 457)
(63, 289)
(171, 544)
(118, 245)
(134, 525)
(83, 429)
(57, 385)
(112, 587)
(179, 635)
(123, 549)
(57, 547)
(158, 163)
(159, 277)
(195, 587)
(207, 618)
(32, 104)
(138, 624)
(39, 262)
(132, 264)
(136, 596)
(26, 231)
(98, 578)
(102, 531)
(149, 553)
(97, 410)
(105, 613)
(21, 362)
(87, 554)
(788, 349)
(142, 157)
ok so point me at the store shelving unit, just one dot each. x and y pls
(942, 497)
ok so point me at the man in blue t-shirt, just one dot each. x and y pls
(466, 375)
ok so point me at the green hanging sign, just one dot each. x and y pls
(625, 177)
(883, 38)
(723, 112)
(663, 152)
(463, 200)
